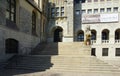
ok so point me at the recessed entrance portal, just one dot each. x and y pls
(58, 34)
(11, 46)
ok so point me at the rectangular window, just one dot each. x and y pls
(57, 9)
(102, 10)
(89, 0)
(53, 15)
(89, 11)
(115, 9)
(77, 12)
(108, 9)
(105, 52)
(57, 14)
(62, 13)
(52, 10)
(95, 0)
(83, 11)
(93, 51)
(117, 52)
(95, 10)
(102, 0)
(62, 9)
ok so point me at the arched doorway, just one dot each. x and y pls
(11, 46)
(80, 36)
(58, 34)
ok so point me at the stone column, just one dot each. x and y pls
(70, 21)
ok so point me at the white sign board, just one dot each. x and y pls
(109, 17)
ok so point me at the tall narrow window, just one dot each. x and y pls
(11, 10)
(33, 23)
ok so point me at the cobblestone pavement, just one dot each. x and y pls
(16, 72)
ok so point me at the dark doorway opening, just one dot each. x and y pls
(11, 46)
(58, 34)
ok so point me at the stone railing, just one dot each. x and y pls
(117, 41)
(93, 42)
(105, 41)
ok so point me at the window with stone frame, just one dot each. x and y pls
(33, 23)
(89, 0)
(104, 51)
(11, 10)
(117, 52)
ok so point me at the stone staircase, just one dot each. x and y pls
(62, 57)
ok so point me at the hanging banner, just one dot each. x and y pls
(100, 18)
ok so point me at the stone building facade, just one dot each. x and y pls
(103, 18)
(21, 25)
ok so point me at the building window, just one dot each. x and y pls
(83, 11)
(33, 23)
(108, 9)
(89, 11)
(11, 10)
(77, 12)
(57, 9)
(62, 9)
(117, 52)
(52, 10)
(62, 13)
(80, 36)
(105, 52)
(95, 10)
(102, 0)
(115, 9)
(93, 51)
(57, 14)
(95, 0)
(89, 0)
(102, 10)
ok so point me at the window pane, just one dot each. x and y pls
(52, 10)
(77, 12)
(89, 11)
(115, 9)
(95, 10)
(62, 9)
(57, 14)
(57, 9)
(89, 0)
(117, 52)
(108, 9)
(62, 13)
(83, 11)
(102, 10)
(105, 52)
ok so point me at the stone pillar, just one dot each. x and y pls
(70, 21)
(99, 36)
(2, 12)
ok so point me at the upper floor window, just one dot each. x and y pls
(77, 12)
(89, 11)
(102, 10)
(62, 9)
(11, 10)
(83, 11)
(102, 0)
(89, 0)
(115, 9)
(95, 10)
(108, 9)
(33, 23)
(95, 0)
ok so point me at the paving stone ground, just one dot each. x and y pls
(21, 72)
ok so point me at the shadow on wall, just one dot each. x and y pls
(38, 61)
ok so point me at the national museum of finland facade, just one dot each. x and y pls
(26, 23)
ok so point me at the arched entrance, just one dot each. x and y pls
(11, 46)
(58, 34)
